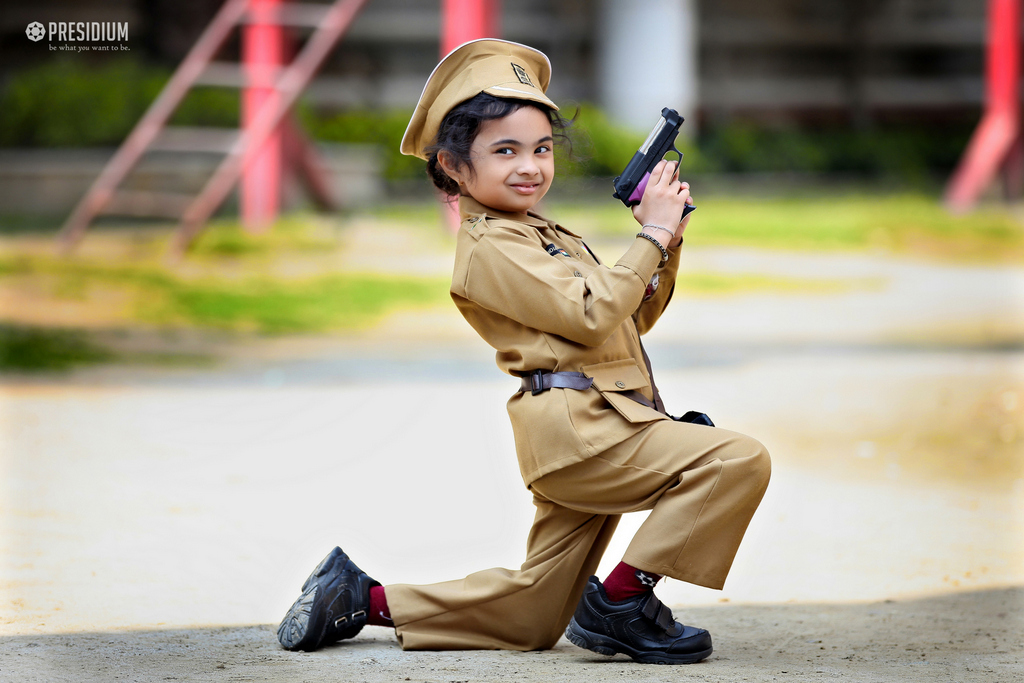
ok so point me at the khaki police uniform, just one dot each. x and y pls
(534, 291)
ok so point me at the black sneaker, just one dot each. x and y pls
(333, 605)
(641, 627)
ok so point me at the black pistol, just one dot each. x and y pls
(630, 186)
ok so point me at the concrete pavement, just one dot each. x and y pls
(145, 510)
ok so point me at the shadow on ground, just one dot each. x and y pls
(969, 636)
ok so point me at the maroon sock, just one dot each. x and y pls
(379, 614)
(627, 582)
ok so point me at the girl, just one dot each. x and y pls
(592, 438)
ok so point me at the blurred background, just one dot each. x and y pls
(796, 111)
(828, 303)
(885, 92)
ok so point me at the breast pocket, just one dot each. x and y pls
(614, 378)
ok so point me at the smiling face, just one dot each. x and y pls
(513, 162)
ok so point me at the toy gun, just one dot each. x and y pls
(630, 186)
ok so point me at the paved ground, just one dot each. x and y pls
(154, 525)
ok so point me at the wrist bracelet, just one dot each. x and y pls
(664, 252)
(658, 227)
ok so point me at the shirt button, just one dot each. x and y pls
(620, 384)
(578, 274)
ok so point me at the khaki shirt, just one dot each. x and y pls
(535, 292)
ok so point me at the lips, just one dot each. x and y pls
(525, 188)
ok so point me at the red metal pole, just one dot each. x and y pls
(994, 144)
(461, 22)
(263, 46)
(465, 20)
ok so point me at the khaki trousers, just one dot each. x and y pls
(701, 484)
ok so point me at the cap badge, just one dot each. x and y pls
(521, 74)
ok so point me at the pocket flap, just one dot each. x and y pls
(617, 375)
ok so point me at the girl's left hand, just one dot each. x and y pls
(677, 239)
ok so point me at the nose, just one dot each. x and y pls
(528, 165)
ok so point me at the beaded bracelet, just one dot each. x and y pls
(664, 252)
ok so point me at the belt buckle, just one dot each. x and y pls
(537, 382)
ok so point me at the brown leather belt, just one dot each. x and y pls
(540, 381)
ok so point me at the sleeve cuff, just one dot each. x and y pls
(642, 257)
(673, 258)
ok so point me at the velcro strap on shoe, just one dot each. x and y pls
(351, 623)
(655, 610)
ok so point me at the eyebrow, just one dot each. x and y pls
(510, 141)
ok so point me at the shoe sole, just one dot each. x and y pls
(294, 633)
(603, 645)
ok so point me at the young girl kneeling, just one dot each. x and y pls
(592, 438)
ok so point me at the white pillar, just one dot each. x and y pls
(647, 59)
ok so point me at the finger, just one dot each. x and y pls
(675, 169)
(657, 172)
(671, 170)
(668, 173)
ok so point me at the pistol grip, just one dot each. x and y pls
(638, 193)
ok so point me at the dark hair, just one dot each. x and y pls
(459, 128)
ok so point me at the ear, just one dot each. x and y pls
(444, 159)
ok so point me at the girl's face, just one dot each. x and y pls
(513, 161)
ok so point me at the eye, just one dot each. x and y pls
(543, 149)
(504, 150)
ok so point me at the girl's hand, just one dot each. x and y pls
(677, 239)
(663, 202)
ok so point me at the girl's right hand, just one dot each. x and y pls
(664, 199)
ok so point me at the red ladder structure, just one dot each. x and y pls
(267, 120)
(996, 144)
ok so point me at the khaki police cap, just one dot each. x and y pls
(497, 67)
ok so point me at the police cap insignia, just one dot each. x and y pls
(521, 74)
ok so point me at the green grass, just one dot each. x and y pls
(318, 304)
(913, 223)
(716, 284)
(291, 233)
(256, 303)
(287, 280)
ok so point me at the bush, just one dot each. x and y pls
(67, 103)
(384, 129)
(70, 103)
(602, 148)
(907, 153)
(35, 349)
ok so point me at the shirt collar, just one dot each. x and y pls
(469, 207)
